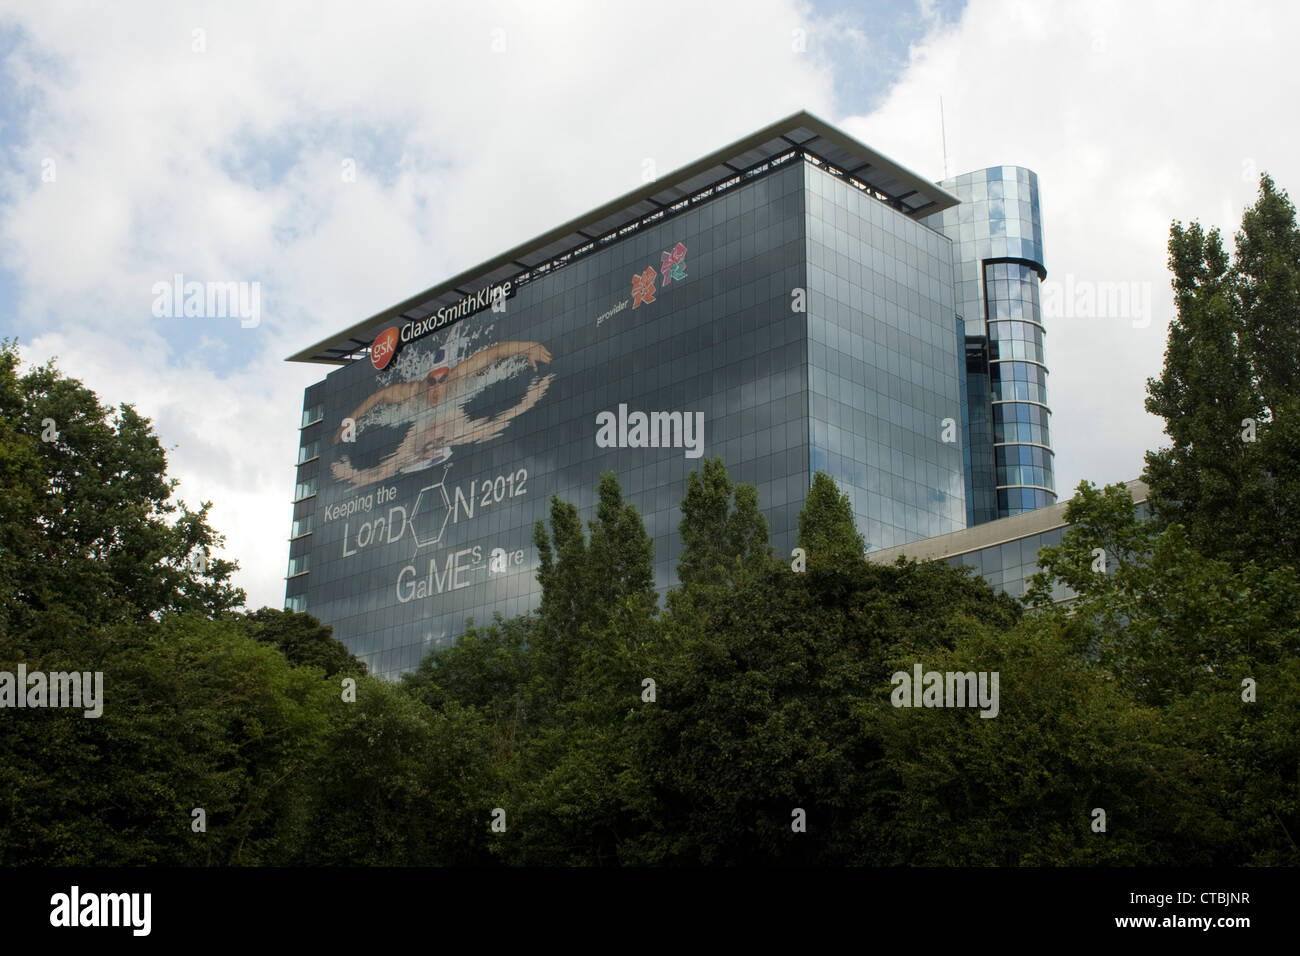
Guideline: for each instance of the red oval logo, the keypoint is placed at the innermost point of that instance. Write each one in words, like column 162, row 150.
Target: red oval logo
column 383, row 348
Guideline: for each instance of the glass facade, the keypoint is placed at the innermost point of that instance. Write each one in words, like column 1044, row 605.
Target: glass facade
column 674, row 344
column 981, row 473
column 1018, row 378
column 883, row 370
column 1009, row 566
column 997, row 233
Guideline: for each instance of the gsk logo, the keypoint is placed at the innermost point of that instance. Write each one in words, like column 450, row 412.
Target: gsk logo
column 383, row 348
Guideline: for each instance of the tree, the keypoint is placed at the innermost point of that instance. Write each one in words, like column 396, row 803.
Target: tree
column 1164, row 619
column 94, row 533
column 1267, row 272
column 22, row 483
column 589, row 590
column 827, row 531
column 774, row 707
column 401, row 784
column 621, row 558
column 564, row 575
column 572, row 782
column 1229, row 391
column 194, row 715
column 721, row 542
column 302, row 639
column 103, row 573
column 1021, row 788
column 1212, row 649
column 492, row 669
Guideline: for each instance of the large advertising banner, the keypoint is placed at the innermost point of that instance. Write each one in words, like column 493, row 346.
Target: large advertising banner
column 429, row 481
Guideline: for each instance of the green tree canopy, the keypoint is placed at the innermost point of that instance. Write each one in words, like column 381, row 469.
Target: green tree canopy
column 724, row 537
column 1211, row 649
column 590, row 590
column 1229, row 391
column 827, row 531
column 93, row 533
column 303, row 640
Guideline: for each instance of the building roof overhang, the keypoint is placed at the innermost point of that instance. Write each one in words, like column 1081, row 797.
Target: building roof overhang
column 893, row 184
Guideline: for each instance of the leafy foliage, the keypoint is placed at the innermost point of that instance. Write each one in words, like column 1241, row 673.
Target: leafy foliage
column 302, row 639
column 1230, row 391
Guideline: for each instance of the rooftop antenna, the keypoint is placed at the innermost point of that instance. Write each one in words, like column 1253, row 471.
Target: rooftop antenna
column 944, row 134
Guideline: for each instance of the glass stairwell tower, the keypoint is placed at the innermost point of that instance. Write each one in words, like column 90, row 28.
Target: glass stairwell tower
column 998, row 261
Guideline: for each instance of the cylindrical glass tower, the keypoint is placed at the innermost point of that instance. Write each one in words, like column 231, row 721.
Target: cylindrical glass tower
column 997, row 237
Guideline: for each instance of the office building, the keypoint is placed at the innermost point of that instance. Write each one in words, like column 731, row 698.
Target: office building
column 794, row 302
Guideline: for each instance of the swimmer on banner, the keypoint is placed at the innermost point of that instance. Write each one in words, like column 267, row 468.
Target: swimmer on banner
column 432, row 408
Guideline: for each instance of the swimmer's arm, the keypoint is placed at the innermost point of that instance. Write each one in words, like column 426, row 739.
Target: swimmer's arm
column 495, row 353
column 392, row 395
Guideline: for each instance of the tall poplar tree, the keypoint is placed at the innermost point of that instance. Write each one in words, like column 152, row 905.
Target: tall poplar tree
column 724, row 537
column 827, row 530
column 1229, row 391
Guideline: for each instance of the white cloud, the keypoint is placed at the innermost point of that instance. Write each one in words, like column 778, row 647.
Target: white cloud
column 1132, row 115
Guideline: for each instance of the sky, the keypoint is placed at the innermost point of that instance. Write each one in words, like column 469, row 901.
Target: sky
column 341, row 157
